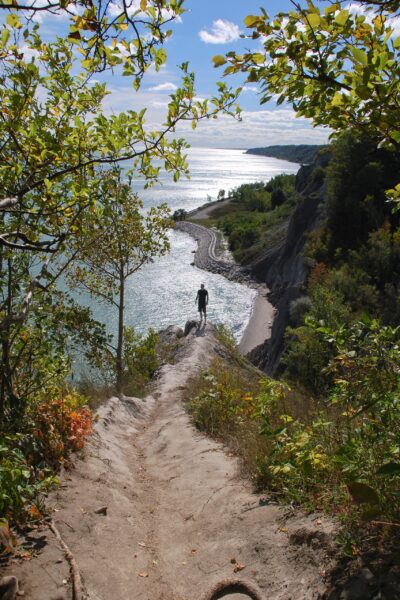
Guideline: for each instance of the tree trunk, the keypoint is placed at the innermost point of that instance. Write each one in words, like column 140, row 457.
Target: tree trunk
column 6, row 388
column 120, row 342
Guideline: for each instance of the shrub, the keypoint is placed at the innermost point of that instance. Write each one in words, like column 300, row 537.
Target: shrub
column 180, row 214
column 55, row 428
column 298, row 309
column 21, row 486
column 50, row 431
column 352, row 441
column 221, row 403
column 278, row 197
column 306, row 356
column 140, row 360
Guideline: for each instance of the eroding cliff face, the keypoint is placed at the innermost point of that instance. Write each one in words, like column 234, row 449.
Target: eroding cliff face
column 283, row 267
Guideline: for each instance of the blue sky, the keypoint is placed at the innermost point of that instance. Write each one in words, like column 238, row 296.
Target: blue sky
column 209, row 27
column 212, row 27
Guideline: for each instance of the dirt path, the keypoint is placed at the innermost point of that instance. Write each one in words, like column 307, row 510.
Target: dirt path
column 203, row 212
column 179, row 516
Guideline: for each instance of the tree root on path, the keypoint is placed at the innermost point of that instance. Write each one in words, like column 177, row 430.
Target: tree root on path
column 232, row 586
column 75, row 575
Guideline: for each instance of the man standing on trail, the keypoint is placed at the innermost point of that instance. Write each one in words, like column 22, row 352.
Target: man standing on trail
column 202, row 299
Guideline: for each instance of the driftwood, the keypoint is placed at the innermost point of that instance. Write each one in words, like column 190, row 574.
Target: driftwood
column 75, row 575
column 232, row 586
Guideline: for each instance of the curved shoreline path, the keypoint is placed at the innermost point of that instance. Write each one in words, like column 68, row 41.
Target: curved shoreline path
column 159, row 511
column 259, row 326
column 206, row 257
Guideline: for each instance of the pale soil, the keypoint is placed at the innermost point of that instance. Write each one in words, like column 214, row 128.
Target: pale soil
column 259, row 326
column 178, row 511
column 203, row 212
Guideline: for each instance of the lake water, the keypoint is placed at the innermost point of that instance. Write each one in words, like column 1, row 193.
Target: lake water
column 163, row 292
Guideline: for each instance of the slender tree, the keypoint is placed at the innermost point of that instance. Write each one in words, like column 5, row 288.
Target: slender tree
column 117, row 243
column 56, row 145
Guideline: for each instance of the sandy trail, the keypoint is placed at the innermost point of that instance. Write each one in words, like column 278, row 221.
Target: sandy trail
column 178, row 512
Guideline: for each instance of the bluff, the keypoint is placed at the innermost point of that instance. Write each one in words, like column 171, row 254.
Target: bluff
column 283, row 267
column 299, row 153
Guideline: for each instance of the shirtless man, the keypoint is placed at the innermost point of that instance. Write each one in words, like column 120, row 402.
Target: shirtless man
column 202, row 299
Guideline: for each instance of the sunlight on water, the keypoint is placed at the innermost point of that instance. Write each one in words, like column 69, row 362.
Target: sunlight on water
column 211, row 170
column 163, row 292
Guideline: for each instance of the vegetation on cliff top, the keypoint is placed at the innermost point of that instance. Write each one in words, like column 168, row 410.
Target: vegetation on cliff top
column 333, row 442
column 255, row 215
column 299, row 153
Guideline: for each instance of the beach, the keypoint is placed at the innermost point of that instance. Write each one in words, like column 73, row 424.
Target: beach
column 260, row 323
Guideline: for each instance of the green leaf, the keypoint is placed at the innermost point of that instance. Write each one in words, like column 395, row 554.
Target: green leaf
column 5, row 34
column 258, row 58
column 359, row 55
column 218, row 60
column 87, row 64
column 342, row 17
column 251, row 21
column 337, row 99
column 396, row 42
column 363, row 92
column 362, row 493
column 390, row 468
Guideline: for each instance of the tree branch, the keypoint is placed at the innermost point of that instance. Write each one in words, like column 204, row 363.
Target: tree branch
column 7, row 202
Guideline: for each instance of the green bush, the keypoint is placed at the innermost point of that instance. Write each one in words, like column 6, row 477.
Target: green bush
column 140, row 360
column 352, row 441
column 21, row 486
column 306, row 357
column 220, row 406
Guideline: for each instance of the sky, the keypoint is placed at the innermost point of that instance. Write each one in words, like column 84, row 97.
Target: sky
column 209, row 27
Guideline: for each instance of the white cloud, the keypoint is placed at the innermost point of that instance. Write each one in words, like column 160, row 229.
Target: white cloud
column 159, row 103
column 115, row 9
column 56, row 14
column 221, row 32
column 257, row 128
column 168, row 86
column 249, row 88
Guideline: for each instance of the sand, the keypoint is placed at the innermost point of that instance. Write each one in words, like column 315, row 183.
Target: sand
column 259, row 326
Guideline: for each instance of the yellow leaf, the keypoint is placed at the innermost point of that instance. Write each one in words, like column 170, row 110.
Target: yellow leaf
column 218, row 60
column 13, row 21
column 252, row 20
column 378, row 22
column 143, row 574
column 143, row 4
column 313, row 19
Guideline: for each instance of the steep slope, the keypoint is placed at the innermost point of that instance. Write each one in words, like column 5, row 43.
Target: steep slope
column 157, row 511
column 283, row 268
column 299, row 153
